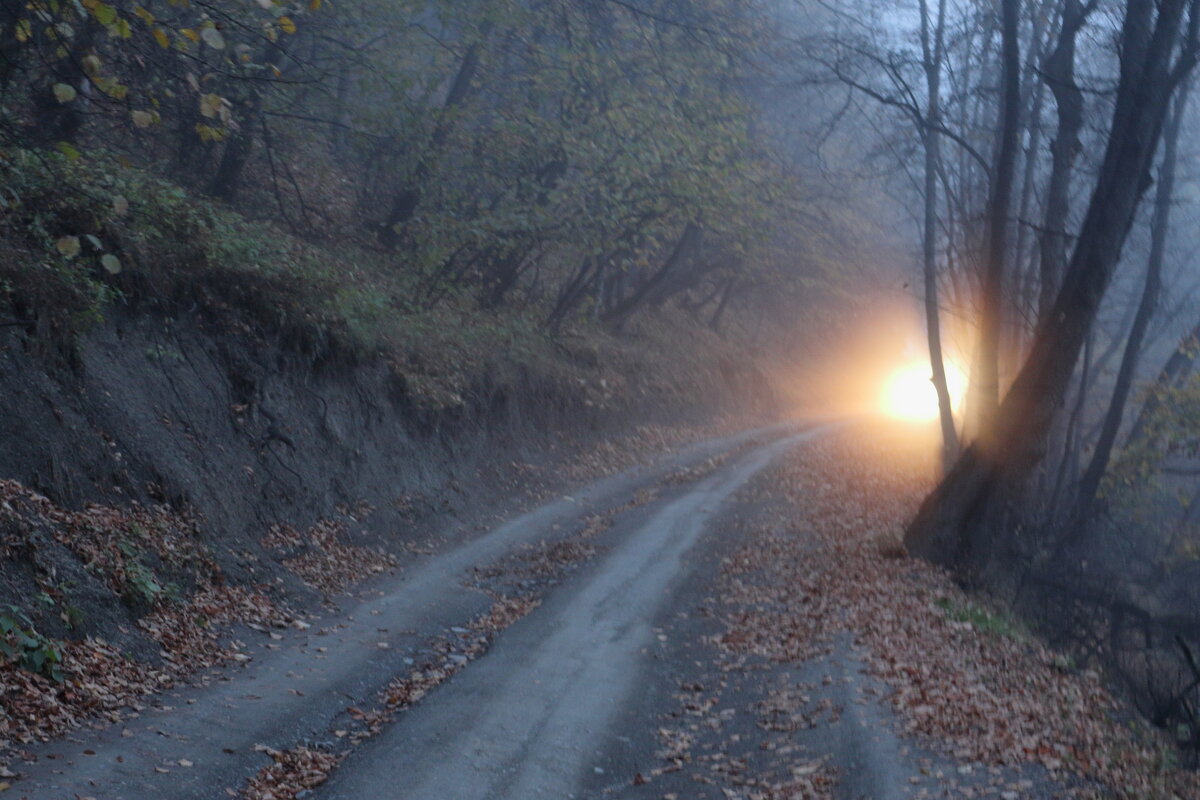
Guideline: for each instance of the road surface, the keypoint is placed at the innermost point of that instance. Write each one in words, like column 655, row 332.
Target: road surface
column 523, row 721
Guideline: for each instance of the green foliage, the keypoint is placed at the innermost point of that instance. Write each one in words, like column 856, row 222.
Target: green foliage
column 141, row 585
column 580, row 132
column 63, row 237
column 584, row 134
column 149, row 62
column 22, row 645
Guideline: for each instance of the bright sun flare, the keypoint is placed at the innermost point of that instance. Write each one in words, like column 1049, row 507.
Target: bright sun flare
column 909, row 394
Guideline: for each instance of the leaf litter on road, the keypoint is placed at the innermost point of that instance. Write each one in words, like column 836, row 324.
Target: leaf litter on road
column 992, row 696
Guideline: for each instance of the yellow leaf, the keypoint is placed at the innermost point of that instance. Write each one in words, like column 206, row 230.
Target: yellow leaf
column 210, row 105
column 160, row 36
column 313, row 5
column 144, row 15
column 144, row 119
column 191, row 34
column 24, row 30
column 104, row 13
column 287, row 24
column 208, row 133
column 68, row 246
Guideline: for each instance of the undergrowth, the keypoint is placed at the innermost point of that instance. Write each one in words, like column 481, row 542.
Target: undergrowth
column 81, row 238
column 983, row 619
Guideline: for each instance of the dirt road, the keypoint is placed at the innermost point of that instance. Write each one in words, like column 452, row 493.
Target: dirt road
column 533, row 718
column 526, row 720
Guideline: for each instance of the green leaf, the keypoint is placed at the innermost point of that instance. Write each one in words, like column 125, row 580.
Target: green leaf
column 111, row 264
column 69, row 151
column 64, row 93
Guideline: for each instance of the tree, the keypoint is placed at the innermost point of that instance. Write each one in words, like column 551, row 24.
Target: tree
column 932, row 55
column 1159, row 228
column 986, row 377
column 961, row 522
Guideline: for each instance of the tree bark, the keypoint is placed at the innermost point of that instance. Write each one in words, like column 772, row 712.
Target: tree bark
column 240, row 144
column 954, row 523
column 406, row 199
column 1159, row 226
column 1059, row 71
column 688, row 240
column 999, row 201
column 932, row 52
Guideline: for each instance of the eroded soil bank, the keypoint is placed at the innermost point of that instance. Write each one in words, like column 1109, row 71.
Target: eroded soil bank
column 167, row 478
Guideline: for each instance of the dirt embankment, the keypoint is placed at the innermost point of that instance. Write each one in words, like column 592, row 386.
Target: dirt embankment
column 169, row 459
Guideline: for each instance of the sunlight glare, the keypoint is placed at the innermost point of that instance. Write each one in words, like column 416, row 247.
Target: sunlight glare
column 908, row 393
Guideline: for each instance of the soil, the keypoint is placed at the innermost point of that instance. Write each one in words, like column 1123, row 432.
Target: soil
column 164, row 460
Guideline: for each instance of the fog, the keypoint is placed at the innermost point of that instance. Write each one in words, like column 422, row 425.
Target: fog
column 980, row 216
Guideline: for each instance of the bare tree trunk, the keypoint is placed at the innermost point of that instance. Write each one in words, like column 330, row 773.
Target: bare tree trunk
column 688, row 240
column 955, row 523
column 932, row 55
column 726, row 295
column 1159, row 227
column 1059, row 71
column 1033, row 99
column 406, row 199
column 999, row 202
column 1068, row 467
column 240, row 144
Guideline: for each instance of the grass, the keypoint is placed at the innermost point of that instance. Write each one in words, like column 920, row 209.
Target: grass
column 983, row 619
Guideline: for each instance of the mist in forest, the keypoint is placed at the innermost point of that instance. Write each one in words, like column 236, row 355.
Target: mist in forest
column 980, row 219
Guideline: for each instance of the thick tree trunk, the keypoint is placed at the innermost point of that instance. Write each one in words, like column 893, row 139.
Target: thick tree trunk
column 1059, row 71
column 1159, row 226
column 955, row 522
